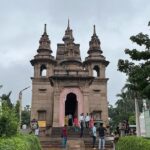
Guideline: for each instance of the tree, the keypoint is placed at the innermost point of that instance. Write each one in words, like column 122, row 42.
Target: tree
column 8, row 121
column 123, row 110
column 26, row 115
column 138, row 69
column 6, row 98
column 17, row 108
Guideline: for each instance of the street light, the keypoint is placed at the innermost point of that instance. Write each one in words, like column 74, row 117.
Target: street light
column 20, row 101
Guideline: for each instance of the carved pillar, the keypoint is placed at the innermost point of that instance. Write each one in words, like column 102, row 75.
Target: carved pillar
column 86, row 101
column 56, row 108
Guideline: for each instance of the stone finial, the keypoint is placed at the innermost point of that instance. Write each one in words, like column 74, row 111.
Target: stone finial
column 68, row 24
column 94, row 43
column 44, row 42
column 68, row 37
column 45, row 28
column 94, row 30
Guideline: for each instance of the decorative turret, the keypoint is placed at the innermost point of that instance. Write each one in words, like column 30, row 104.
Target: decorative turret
column 44, row 43
column 43, row 61
column 68, row 53
column 95, row 62
column 94, row 43
column 68, row 37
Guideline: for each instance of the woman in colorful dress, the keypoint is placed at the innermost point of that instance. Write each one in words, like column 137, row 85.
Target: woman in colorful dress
column 91, row 123
column 76, row 124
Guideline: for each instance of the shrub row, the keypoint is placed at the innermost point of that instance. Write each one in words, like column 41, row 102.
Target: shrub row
column 133, row 143
column 20, row 142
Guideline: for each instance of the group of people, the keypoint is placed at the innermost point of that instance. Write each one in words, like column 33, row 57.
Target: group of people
column 35, row 127
column 101, row 134
column 86, row 122
column 123, row 128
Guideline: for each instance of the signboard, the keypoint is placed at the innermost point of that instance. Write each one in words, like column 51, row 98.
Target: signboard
column 42, row 124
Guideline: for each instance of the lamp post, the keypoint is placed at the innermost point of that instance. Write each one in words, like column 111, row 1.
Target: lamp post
column 20, row 101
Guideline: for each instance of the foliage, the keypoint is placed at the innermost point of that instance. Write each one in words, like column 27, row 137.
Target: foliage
column 26, row 115
column 8, row 121
column 6, row 98
column 17, row 107
column 132, row 120
column 138, row 69
column 123, row 110
column 20, row 142
column 133, row 143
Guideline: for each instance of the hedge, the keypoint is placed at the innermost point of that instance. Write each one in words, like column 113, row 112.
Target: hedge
column 20, row 142
column 133, row 143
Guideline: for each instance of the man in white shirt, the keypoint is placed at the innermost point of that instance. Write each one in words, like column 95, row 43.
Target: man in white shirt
column 94, row 135
column 81, row 118
column 87, row 120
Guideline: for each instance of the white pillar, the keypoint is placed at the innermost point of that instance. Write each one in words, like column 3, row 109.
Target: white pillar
column 138, row 132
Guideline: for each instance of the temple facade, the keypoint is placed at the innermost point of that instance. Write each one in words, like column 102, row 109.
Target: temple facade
column 65, row 84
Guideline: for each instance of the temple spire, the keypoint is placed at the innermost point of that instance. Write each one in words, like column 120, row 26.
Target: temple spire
column 94, row 30
column 68, row 28
column 44, row 42
column 68, row 37
column 94, row 44
column 45, row 28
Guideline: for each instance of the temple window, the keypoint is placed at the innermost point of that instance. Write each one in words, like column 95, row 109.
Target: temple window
column 96, row 71
column 41, row 115
column 43, row 71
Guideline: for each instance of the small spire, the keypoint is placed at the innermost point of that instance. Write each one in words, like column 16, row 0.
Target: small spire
column 44, row 28
column 44, row 40
column 94, row 32
column 68, row 24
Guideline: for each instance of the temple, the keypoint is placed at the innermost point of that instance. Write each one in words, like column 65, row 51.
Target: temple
column 65, row 84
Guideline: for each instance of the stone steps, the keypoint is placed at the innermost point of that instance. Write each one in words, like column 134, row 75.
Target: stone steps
column 56, row 143
column 53, row 141
column 56, row 132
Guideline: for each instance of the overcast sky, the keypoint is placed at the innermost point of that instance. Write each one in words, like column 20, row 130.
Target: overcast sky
column 22, row 23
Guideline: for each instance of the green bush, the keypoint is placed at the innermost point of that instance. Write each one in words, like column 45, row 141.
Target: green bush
column 8, row 121
column 133, row 143
column 20, row 142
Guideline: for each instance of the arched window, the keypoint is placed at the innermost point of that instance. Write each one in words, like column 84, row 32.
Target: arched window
column 43, row 71
column 96, row 71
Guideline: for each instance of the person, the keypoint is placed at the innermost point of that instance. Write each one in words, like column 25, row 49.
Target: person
column 94, row 135
column 81, row 124
column 122, row 128
column 64, row 136
column 101, row 131
column 127, row 129
column 70, row 120
column 81, row 118
column 66, row 120
column 91, row 123
column 118, row 131
column 87, row 119
column 36, row 132
column 81, row 129
column 76, row 123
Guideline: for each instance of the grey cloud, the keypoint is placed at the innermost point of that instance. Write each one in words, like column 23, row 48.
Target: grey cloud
column 22, row 25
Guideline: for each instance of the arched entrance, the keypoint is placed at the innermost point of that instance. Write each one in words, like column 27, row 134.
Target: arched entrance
column 71, row 105
column 66, row 96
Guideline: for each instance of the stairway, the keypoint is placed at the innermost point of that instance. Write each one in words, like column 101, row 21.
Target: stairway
column 53, row 142
column 56, row 132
